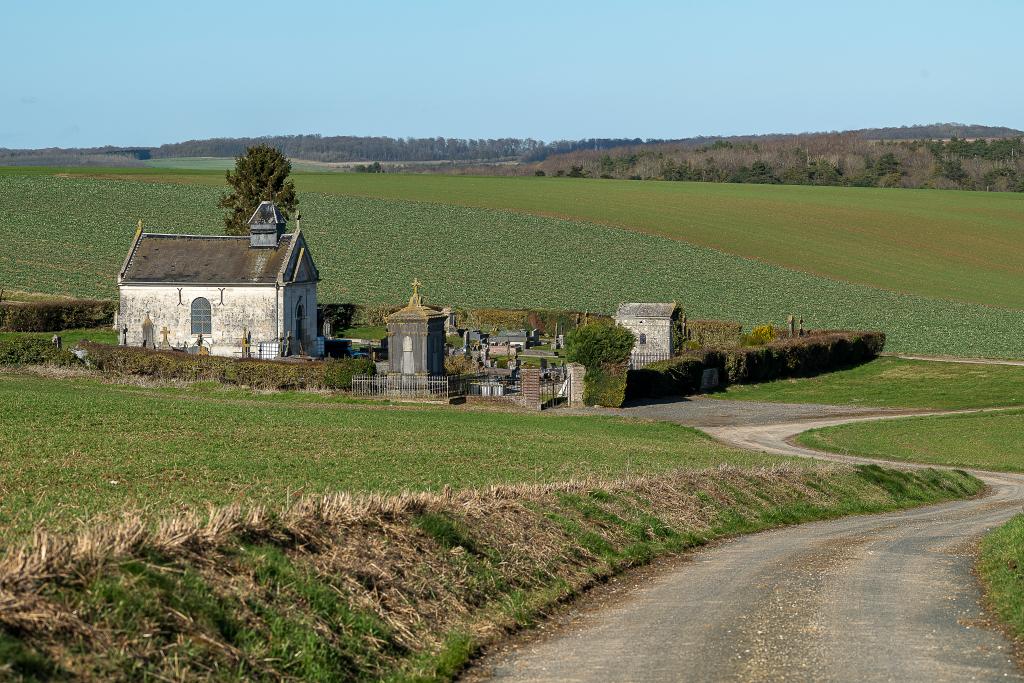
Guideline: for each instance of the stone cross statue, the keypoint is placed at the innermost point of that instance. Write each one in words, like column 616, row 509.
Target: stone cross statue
column 165, row 344
column 124, row 336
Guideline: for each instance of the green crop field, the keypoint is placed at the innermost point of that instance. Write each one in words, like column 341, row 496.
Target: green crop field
column 990, row 440
column 897, row 383
column 71, row 235
column 72, row 448
column 962, row 246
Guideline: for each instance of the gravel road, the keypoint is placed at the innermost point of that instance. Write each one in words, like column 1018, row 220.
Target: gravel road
column 888, row 597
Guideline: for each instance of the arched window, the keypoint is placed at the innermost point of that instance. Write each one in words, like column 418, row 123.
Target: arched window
column 201, row 316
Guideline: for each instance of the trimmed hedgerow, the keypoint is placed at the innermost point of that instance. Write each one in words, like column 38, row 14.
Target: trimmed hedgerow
column 33, row 351
column 258, row 374
column 602, row 346
column 52, row 316
column 799, row 357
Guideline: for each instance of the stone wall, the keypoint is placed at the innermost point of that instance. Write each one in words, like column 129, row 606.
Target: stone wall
column 657, row 331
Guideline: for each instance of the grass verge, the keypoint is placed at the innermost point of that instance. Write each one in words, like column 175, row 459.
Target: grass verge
column 1001, row 568
column 897, row 383
column 374, row 587
column 989, row 441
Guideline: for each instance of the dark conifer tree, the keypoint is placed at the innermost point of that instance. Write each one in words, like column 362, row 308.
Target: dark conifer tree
column 260, row 174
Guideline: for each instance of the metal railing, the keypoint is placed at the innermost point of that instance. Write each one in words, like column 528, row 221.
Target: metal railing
column 642, row 360
column 438, row 387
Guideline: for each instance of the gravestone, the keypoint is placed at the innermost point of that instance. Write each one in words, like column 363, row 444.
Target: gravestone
column 148, row 340
column 165, row 343
column 709, row 379
column 791, row 324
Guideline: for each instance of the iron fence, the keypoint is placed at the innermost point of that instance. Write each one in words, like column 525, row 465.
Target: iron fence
column 437, row 387
column 642, row 360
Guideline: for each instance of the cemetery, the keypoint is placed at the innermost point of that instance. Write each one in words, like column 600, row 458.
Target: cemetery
column 244, row 310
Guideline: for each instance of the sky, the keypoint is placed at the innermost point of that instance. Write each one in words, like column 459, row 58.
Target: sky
column 145, row 73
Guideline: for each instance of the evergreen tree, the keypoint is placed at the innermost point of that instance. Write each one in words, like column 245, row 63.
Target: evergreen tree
column 260, row 174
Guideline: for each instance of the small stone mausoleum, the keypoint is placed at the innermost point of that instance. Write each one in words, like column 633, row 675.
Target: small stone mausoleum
column 416, row 338
column 651, row 324
column 223, row 295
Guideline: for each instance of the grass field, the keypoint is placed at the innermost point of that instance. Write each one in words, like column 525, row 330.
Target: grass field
column 897, row 383
column 74, row 448
column 964, row 246
column 990, row 441
column 369, row 250
column 103, row 335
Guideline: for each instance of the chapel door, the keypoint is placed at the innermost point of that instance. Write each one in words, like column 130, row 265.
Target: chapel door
column 300, row 343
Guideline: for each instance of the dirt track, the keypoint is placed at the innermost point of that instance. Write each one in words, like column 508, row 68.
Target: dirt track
column 887, row 597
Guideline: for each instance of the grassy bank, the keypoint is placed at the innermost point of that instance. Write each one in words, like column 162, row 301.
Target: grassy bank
column 1001, row 567
column 69, row 338
column 990, row 441
column 368, row 588
column 897, row 383
column 369, row 249
column 76, row 447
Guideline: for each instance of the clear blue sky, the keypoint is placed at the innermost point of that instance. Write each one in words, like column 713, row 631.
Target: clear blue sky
column 145, row 73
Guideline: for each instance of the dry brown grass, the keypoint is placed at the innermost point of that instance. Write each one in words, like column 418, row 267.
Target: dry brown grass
column 373, row 552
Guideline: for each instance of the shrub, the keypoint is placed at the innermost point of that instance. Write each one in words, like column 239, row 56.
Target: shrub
column 679, row 376
column 602, row 347
column 759, row 336
column 715, row 334
column 598, row 344
column 53, row 316
column 34, row 351
column 175, row 365
column 338, row 373
column 459, row 365
column 604, row 387
column 798, row 357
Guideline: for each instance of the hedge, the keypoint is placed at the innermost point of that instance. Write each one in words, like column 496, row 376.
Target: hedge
column 33, row 351
column 258, row 374
column 717, row 334
column 53, row 316
column 798, row 357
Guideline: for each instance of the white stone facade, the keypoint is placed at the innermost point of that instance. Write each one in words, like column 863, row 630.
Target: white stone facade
column 652, row 325
column 267, row 312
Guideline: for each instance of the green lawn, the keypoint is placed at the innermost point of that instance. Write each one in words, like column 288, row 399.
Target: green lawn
column 73, row 448
column 966, row 246
column 990, row 441
column 369, row 250
column 103, row 335
column 897, row 383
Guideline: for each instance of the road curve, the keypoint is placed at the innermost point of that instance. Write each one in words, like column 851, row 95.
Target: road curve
column 889, row 597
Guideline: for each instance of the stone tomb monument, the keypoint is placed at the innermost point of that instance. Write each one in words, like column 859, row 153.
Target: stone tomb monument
column 416, row 338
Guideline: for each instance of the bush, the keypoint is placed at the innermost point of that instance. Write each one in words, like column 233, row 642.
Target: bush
column 798, row 357
column 604, row 387
column 679, row 376
column 53, row 316
column 599, row 344
column 602, row 347
column 459, row 365
column 759, row 336
column 258, row 374
column 715, row 334
column 338, row 373
column 34, row 351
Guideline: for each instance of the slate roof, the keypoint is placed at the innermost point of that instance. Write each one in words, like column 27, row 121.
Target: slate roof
column 645, row 310
column 203, row 259
column 266, row 213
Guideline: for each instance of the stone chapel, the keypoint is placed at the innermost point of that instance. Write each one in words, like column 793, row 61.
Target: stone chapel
column 221, row 295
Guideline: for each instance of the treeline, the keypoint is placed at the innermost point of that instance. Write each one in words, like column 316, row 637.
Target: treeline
column 344, row 148
column 830, row 159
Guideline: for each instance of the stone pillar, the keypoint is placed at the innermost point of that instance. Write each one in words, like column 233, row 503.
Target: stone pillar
column 576, row 374
column 530, row 383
